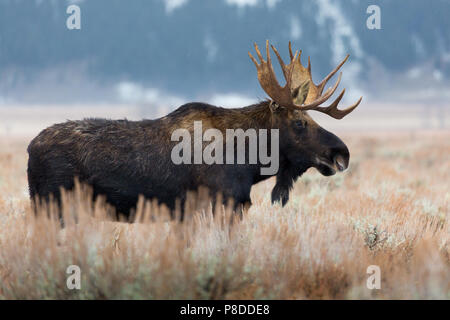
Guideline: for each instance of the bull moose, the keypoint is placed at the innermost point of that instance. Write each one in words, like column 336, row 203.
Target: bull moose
column 123, row 159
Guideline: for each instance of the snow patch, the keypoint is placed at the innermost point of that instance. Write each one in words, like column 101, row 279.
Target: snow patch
column 231, row 100
column 211, row 47
column 295, row 28
column 171, row 5
column 130, row 92
column 343, row 40
column 251, row 3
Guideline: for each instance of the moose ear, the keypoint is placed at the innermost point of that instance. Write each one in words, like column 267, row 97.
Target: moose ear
column 274, row 106
column 301, row 93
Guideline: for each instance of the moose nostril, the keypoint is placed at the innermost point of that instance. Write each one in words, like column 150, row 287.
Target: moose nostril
column 340, row 163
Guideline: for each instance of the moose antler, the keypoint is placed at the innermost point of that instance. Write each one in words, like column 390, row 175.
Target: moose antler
column 299, row 87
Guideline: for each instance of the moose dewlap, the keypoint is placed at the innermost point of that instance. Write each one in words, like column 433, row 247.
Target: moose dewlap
column 123, row 159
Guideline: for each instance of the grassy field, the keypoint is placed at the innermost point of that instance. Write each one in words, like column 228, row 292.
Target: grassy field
column 390, row 208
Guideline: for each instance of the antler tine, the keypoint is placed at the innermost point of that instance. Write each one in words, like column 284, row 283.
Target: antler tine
column 290, row 51
column 280, row 60
column 322, row 84
column 269, row 59
column 322, row 98
column 258, row 53
column 309, row 66
column 339, row 114
column 268, row 80
column 328, row 110
column 287, row 72
column 334, row 112
column 253, row 59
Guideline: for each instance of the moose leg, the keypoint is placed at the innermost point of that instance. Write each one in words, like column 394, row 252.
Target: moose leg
column 285, row 180
column 46, row 177
column 242, row 208
column 242, row 202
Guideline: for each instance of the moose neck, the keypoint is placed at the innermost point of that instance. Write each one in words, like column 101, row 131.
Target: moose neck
column 256, row 116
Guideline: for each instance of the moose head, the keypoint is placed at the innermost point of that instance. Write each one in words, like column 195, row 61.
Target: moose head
column 303, row 143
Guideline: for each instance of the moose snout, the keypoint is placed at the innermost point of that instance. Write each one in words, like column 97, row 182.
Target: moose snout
column 334, row 156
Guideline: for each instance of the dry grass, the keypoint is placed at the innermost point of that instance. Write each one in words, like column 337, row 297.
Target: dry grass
column 391, row 209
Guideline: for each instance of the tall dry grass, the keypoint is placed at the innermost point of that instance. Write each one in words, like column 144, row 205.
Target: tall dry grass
column 390, row 208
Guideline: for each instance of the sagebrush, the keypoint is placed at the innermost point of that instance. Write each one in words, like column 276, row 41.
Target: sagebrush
column 390, row 208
